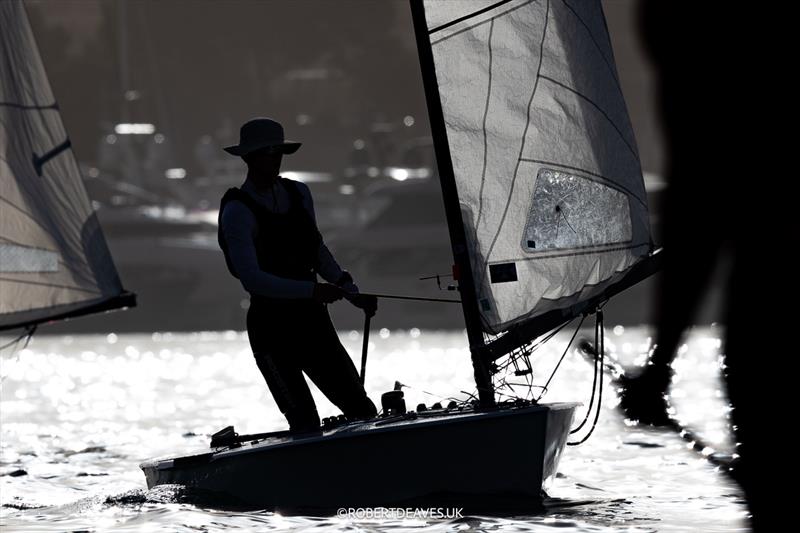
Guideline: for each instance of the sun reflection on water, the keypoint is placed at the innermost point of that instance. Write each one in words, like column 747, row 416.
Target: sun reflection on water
column 78, row 413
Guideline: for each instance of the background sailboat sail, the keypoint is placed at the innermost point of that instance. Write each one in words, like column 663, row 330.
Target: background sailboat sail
column 54, row 261
column 544, row 158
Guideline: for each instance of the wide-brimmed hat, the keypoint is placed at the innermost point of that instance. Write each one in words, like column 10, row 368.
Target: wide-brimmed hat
column 262, row 133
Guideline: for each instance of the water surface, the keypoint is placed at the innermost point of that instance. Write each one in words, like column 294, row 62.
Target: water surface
column 79, row 413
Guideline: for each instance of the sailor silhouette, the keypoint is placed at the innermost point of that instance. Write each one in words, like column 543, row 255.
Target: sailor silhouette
column 269, row 235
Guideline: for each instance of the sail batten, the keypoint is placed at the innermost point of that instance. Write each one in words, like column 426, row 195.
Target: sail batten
column 545, row 161
column 54, row 261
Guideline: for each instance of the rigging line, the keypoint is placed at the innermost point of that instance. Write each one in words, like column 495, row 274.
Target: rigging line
column 596, row 44
column 29, row 331
column 17, row 339
column 475, row 398
column 608, row 182
column 13, row 105
column 695, row 441
column 600, row 392
column 482, row 275
column 54, row 285
column 594, row 383
column 415, row 298
column 511, row 384
column 466, row 17
column 550, row 336
column 446, row 37
column 534, row 347
column 566, row 350
column 451, row 398
column 529, row 383
column 542, row 341
column 602, row 112
column 485, row 140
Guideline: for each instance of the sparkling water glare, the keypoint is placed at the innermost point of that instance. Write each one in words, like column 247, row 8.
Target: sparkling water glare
column 79, row 413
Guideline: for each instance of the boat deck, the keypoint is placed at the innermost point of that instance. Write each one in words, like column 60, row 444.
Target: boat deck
column 279, row 439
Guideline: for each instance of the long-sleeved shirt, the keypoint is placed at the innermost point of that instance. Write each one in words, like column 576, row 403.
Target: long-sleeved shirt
column 239, row 227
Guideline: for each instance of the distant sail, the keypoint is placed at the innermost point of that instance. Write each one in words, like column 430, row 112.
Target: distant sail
column 54, row 261
column 543, row 153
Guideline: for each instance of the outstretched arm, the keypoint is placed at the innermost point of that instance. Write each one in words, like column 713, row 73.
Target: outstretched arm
column 329, row 269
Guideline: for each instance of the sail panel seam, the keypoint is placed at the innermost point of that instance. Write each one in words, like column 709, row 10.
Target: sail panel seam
column 553, row 255
column 521, row 148
column 606, row 181
column 596, row 44
column 13, row 105
column 533, row 313
column 485, row 140
column 31, row 217
column 12, row 241
column 467, row 17
column 482, row 22
column 54, row 285
column 7, row 320
column 596, row 106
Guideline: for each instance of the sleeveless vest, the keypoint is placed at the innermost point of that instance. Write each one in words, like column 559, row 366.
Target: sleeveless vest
column 287, row 244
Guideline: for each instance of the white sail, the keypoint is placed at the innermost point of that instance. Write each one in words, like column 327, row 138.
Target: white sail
column 544, row 157
column 54, row 261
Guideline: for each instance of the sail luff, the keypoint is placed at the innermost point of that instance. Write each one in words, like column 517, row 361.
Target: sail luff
column 452, row 208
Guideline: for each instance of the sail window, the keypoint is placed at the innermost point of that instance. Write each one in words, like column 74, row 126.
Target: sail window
column 14, row 258
column 503, row 272
column 570, row 211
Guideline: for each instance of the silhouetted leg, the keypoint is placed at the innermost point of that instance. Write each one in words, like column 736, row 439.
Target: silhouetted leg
column 278, row 361
column 330, row 368
column 290, row 390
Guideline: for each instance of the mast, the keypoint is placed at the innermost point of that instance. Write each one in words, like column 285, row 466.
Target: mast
column 452, row 208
